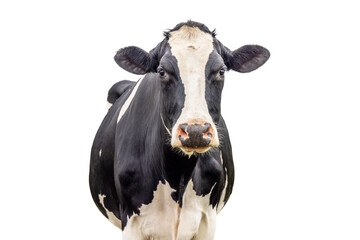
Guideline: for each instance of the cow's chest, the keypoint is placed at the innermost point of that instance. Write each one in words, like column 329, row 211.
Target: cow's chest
column 163, row 219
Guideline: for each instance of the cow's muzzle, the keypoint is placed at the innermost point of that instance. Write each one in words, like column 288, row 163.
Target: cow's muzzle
column 195, row 137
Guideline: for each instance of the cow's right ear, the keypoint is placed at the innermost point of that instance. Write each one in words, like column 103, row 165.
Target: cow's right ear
column 134, row 60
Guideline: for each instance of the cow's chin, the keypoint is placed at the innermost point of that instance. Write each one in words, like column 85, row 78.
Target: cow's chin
column 193, row 151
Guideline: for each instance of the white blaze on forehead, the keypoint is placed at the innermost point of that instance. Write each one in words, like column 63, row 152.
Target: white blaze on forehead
column 192, row 47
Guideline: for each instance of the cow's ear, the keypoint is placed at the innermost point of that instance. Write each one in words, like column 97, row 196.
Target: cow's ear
column 134, row 60
column 248, row 58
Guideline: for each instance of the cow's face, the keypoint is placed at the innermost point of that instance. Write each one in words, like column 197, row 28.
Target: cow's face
column 190, row 65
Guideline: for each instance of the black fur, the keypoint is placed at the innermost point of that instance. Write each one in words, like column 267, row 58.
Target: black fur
column 245, row 59
column 249, row 58
column 134, row 60
column 119, row 89
column 139, row 156
column 136, row 154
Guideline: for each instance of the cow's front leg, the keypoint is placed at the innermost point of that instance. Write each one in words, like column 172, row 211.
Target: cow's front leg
column 207, row 227
column 133, row 230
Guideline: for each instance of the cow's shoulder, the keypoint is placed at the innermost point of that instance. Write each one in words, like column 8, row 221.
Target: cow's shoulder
column 101, row 178
column 118, row 89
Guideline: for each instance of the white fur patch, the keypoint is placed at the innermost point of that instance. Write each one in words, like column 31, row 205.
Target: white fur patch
column 163, row 219
column 128, row 100
column 157, row 220
column 192, row 47
column 111, row 216
column 197, row 217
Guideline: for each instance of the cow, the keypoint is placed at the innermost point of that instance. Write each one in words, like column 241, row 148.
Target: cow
column 161, row 162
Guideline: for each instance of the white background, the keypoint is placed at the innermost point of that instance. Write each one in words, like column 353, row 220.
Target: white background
column 294, row 123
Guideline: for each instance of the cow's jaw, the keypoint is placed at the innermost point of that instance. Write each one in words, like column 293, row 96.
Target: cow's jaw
column 192, row 47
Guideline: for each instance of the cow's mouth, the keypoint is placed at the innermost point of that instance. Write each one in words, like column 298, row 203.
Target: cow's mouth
column 189, row 151
column 192, row 151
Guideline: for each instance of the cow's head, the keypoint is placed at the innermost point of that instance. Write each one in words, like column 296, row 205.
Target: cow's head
column 190, row 63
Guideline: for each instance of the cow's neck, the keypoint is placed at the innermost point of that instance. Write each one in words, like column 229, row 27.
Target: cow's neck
column 178, row 170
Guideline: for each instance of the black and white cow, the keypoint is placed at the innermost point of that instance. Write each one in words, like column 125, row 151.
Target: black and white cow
column 161, row 162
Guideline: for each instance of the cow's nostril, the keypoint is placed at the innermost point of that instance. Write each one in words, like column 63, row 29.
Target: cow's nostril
column 206, row 127
column 182, row 132
column 183, row 127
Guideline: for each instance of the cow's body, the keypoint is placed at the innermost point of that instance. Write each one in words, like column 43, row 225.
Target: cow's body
column 140, row 181
column 171, row 194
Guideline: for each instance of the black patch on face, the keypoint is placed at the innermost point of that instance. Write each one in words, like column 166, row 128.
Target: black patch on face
column 172, row 90
column 214, row 85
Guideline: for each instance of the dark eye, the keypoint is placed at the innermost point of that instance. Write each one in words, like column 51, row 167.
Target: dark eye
column 222, row 72
column 161, row 72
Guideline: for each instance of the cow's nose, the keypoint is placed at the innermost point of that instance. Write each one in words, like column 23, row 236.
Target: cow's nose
column 195, row 135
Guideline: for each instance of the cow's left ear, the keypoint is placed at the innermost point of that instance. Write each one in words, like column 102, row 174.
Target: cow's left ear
column 134, row 60
column 248, row 58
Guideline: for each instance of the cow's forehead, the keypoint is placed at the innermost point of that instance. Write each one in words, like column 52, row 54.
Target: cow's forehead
column 191, row 40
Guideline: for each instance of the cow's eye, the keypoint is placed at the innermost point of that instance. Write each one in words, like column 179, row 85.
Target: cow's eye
column 222, row 72
column 161, row 72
